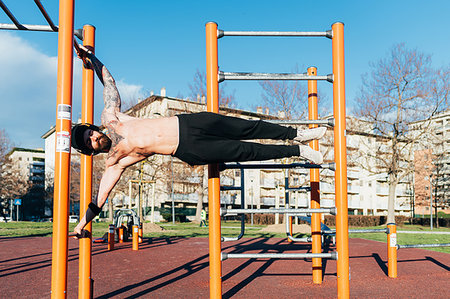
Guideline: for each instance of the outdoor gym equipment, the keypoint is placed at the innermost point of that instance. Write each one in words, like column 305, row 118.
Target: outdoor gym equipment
column 62, row 152
column 213, row 77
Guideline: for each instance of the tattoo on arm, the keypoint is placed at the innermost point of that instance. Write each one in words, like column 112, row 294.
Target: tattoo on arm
column 111, row 96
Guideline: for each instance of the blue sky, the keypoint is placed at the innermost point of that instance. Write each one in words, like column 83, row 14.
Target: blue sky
column 148, row 45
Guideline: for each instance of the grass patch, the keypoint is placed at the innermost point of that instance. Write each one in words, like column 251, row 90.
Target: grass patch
column 42, row 229
column 404, row 239
column 229, row 229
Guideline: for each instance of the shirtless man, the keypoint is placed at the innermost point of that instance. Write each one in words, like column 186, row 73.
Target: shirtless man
column 198, row 138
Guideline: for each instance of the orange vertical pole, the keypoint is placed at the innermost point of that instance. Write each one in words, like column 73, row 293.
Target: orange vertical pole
column 314, row 177
column 340, row 156
column 212, row 91
column 87, row 116
column 62, row 150
column 135, row 237
column 392, row 250
column 141, row 233
column 111, row 235
column 120, row 234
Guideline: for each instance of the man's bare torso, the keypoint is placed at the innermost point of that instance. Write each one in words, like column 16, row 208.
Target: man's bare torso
column 140, row 138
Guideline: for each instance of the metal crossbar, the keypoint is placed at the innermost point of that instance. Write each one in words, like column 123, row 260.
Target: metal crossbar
column 224, row 211
column 271, row 76
column 327, row 122
column 331, row 255
column 423, row 245
column 328, row 33
column 224, row 166
column 350, row 231
column 51, row 27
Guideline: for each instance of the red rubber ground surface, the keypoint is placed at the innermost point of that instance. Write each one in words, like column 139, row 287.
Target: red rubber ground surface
column 178, row 268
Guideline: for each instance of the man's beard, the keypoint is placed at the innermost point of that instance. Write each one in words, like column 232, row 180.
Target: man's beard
column 104, row 144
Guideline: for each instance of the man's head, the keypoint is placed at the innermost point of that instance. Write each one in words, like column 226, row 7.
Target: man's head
column 88, row 139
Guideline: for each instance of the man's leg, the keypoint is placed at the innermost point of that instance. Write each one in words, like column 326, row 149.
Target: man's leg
column 214, row 150
column 214, row 124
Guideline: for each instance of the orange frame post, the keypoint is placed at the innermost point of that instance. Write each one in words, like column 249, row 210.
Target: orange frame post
column 62, row 150
column 212, row 91
column 315, row 181
column 135, row 237
column 340, row 156
column 392, row 250
column 85, row 281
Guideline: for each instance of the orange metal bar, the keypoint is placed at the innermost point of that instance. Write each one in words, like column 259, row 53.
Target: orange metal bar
column 314, row 182
column 135, row 237
column 140, row 233
column 62, row 150
column 340, row 156
column 212, row 91
column 111, row 230
column 87, row 116
column 120, row 234
column 392, row 250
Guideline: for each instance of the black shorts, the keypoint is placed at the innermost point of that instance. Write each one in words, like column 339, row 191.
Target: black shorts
column 207, row 137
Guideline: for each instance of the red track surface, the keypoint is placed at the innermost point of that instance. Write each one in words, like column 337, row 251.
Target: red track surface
column 178, row 268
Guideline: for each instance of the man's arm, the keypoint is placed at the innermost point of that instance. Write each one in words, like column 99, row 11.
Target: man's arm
column 109, row 179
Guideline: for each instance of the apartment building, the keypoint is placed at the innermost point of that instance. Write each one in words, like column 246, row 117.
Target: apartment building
column 432, row 164
column 29, row 164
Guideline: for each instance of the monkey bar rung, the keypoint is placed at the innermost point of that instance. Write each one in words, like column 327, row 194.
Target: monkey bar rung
column 332, row 255
column 271, row 76
column 328, row 33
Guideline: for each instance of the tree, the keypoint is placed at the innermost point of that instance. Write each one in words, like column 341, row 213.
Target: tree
column 198, row 90
column 288, row 98
column 12, row 184
column 400, row 89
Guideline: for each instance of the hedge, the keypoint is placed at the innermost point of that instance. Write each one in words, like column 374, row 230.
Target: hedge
column 353, row 220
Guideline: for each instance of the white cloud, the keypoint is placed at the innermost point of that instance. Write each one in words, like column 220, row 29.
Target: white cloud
column 130, row 92
column 27, row 90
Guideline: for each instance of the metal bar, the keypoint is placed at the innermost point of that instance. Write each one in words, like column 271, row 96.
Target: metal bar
column 225, row 211
column 212, row 93
column 271, row 76
column 423, row 245
column 242, row 189
column 326, row 122
column 307, row 188
column 62, row 150
column 46, row 28
column 340, row 156
column 331, row 255
column 229, row 188
column 328, row 34
column 276, row 166
column 11, row 16
column 353, row 231
column 45, row 14
column 87, row 116
column 290, row 237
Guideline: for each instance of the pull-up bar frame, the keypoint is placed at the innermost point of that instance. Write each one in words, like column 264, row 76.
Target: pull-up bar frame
column 18, row 26
column 62, row 152
column 340, row 154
